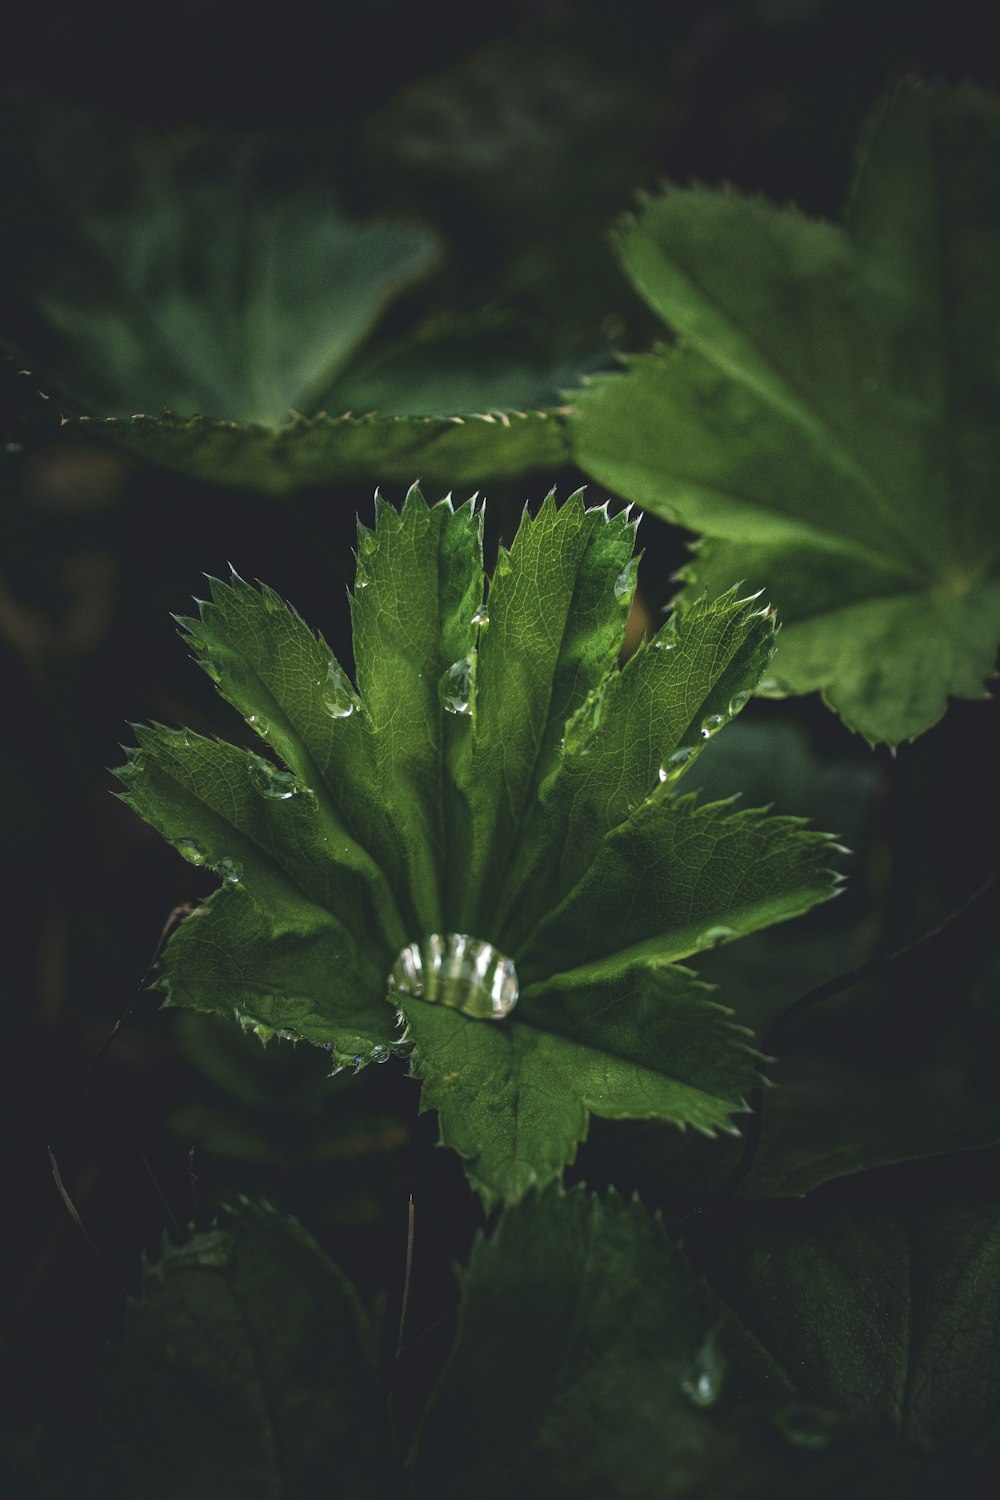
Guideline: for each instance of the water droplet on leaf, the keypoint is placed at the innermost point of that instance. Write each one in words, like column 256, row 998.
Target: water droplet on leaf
column 192, row 852
column 702, row 1380
column 336, row 693
column 738, row 701
column 230, row 870
column 380, row 1053
column 713, row 936
column 481, row 618
column 455, row 687
column 679, row 756
column 710, row 724
column 625, row 582
column 808, row 1426
column 270, row 782
column 463, row 972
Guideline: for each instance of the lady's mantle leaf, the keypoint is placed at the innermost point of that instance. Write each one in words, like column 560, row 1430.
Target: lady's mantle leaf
column 202, row 304
column 566, row 1379
column 490, row 774
column 829, row 416
column 590, row 1362
column 891, row 1316
column 245, row 1368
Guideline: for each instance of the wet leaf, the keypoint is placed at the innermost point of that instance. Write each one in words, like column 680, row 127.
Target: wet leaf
column 492, row 791
column 590, row 1363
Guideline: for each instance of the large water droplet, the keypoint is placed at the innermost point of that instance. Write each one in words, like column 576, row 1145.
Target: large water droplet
column 270, row 782
column 261, row 725
column 738, row 701
column 711, row 723
column 192, row 852
column 380, row 1053
column 454, row 969
column 455, row 687
column 336, row 693
column 702, row 1380
column 230, row 870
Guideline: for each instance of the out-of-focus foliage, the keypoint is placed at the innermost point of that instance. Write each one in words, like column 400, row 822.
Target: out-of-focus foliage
column 828, row 415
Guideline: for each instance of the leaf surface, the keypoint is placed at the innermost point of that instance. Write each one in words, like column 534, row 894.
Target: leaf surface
column 247, row 1342
column 590, row 1363
column 492, row 779
column 827, row 417
column 889, row 1315
column 564, row 1381
column 203, row 303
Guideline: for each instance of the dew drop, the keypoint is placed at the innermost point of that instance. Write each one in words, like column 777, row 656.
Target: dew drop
column 230, row 870
column 192, row 852
column 808, row 1426
column 336, row 693
column 679, row 756
column 738, row 701
column 381, row 1053
column 625, row 582
column 270, row 782
column 713, row 936
column 702, row 1380
column 259, row 724
column 463, row 972
column 664, row 773
column 710, row 724
column 455, row 687
column 481, row 618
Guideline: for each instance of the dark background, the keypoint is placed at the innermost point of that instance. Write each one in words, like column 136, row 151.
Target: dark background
column 94, row 556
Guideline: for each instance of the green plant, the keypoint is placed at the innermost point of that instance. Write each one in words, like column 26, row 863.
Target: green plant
column 483, row 853
column 827, row 414
column 481, row 816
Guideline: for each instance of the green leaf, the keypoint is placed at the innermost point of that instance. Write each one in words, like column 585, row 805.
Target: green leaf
column 495, row 142
column 201, row 302
column 589, row 1364
column 827, row 418
column 809, row 1137
column 245, row 1368
column 324, row 450
column 580, row 1326
column 887, row 1316
column 493, row 790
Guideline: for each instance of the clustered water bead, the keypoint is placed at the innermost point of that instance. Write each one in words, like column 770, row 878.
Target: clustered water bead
column 454, row 969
